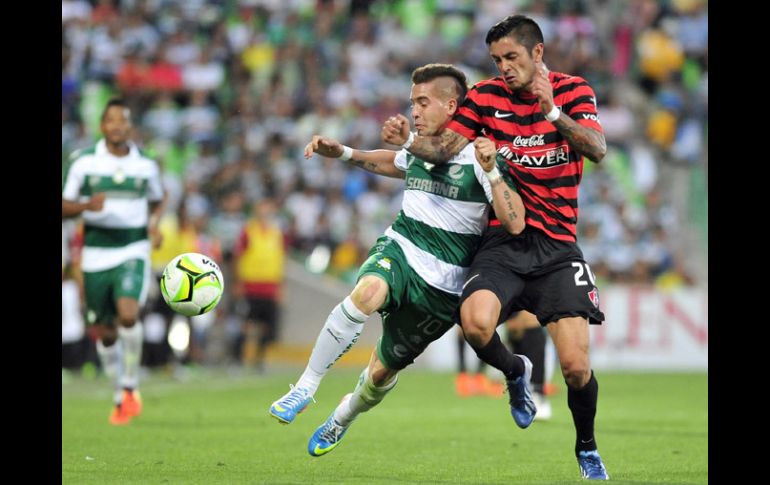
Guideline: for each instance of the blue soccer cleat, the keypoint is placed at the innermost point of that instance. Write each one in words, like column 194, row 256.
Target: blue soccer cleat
column 327, row 436
column 523, row 407
column 291, row 404
column 591, row 466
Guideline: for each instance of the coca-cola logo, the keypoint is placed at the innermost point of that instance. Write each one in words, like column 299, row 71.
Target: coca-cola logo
column 531, row 141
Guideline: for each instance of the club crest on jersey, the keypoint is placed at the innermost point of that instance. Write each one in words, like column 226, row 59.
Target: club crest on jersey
column 119, row 177
column 456, row 172
column 384, row 263
column 593, row 295
column 428, row 166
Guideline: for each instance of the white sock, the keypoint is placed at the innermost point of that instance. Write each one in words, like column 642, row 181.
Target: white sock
column 343, row 326
column 365, row 397
column 110, row 358
column 132, row 354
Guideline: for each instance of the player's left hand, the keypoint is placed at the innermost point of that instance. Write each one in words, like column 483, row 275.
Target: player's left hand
column 541, row 87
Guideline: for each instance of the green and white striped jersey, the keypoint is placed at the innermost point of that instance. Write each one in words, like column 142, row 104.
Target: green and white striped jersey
column 443, row 215
column 118, row 232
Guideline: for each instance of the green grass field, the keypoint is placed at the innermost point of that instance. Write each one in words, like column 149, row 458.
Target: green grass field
column 212, row 429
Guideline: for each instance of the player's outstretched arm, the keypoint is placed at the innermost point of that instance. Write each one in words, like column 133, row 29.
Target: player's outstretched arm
column 508, row 205
column 434, row 149
column 375, row 161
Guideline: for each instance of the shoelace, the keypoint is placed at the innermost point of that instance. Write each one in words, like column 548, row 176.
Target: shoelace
column 521, row 397
column 593, row 464
column 296, row 398
column 331, row 431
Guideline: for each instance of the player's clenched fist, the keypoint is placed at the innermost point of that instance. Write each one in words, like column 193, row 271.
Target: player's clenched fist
column 485, row 153
column 541, row 87
column 395, row 130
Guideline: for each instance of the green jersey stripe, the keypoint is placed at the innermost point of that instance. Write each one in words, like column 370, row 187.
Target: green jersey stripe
column 105, row 237
column 114, row 186
column 449, row 247
column 451, row 180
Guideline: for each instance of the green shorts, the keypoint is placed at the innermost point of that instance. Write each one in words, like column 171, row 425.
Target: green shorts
column 415, row 313
column 103, row 288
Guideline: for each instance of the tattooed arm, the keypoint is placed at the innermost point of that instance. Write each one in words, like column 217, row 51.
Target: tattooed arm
column 509, row 208
column 375, row 161
column 434, row 149
column 585, row 141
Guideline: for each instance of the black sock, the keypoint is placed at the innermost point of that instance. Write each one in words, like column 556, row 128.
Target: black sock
column 461, row 353
column 532, row 345
column 496, row 354
column 582, row 403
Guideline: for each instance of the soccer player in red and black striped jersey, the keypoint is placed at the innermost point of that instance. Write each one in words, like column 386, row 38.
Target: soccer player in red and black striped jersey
column 543, row 124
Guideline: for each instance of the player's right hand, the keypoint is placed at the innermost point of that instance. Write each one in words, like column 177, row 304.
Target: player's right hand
column 323, row 146
column 486, row 153
column 96, row 202
column 395, row 130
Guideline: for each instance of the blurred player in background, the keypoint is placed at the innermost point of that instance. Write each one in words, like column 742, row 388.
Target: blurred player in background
column 475, row 383
column 544, row 123
column 118, row 192
column 414, row 272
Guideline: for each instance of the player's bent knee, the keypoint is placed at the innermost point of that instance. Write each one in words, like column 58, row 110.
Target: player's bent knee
column 476, row 334
column 127, row 321
column 369, row 294
column 108, row 336
column 576, row 372
column 478, row 320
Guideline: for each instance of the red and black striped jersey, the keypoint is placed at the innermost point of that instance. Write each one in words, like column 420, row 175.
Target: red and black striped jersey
column 546, row 170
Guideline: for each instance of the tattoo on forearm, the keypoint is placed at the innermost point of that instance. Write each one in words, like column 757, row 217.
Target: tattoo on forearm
column 370, row 166
column 586, row 141
column 438, row 149
column 512, row 216
column 508, row 204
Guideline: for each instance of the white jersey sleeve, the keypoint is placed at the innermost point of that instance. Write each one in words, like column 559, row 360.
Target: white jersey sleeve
column 400, row 161
column 74, row 181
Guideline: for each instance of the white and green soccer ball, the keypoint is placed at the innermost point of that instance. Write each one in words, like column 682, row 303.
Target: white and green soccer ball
column 192, row 284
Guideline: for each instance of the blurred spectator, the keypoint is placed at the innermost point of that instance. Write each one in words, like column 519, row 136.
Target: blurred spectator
column 229, row 92
column 259, row 266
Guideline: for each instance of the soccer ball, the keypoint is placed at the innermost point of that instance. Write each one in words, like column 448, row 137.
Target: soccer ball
column 192, row 284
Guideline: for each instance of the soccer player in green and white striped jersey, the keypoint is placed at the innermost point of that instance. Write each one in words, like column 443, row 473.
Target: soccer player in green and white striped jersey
column 118, row 192
column 415, row 271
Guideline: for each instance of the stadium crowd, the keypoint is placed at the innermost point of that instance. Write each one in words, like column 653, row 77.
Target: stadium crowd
column 226, row 93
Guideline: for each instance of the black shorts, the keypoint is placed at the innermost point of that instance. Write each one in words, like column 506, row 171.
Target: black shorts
column 536, row 273
column 264, row 310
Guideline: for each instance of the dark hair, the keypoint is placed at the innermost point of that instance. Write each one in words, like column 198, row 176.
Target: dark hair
column 429, row 72
column 120, row 102
column 522, row 28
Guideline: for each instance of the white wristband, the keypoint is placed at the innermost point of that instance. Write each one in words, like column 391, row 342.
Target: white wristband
column 553, row 115
column 347, row 153
column 409, row 141
column 493, row 174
